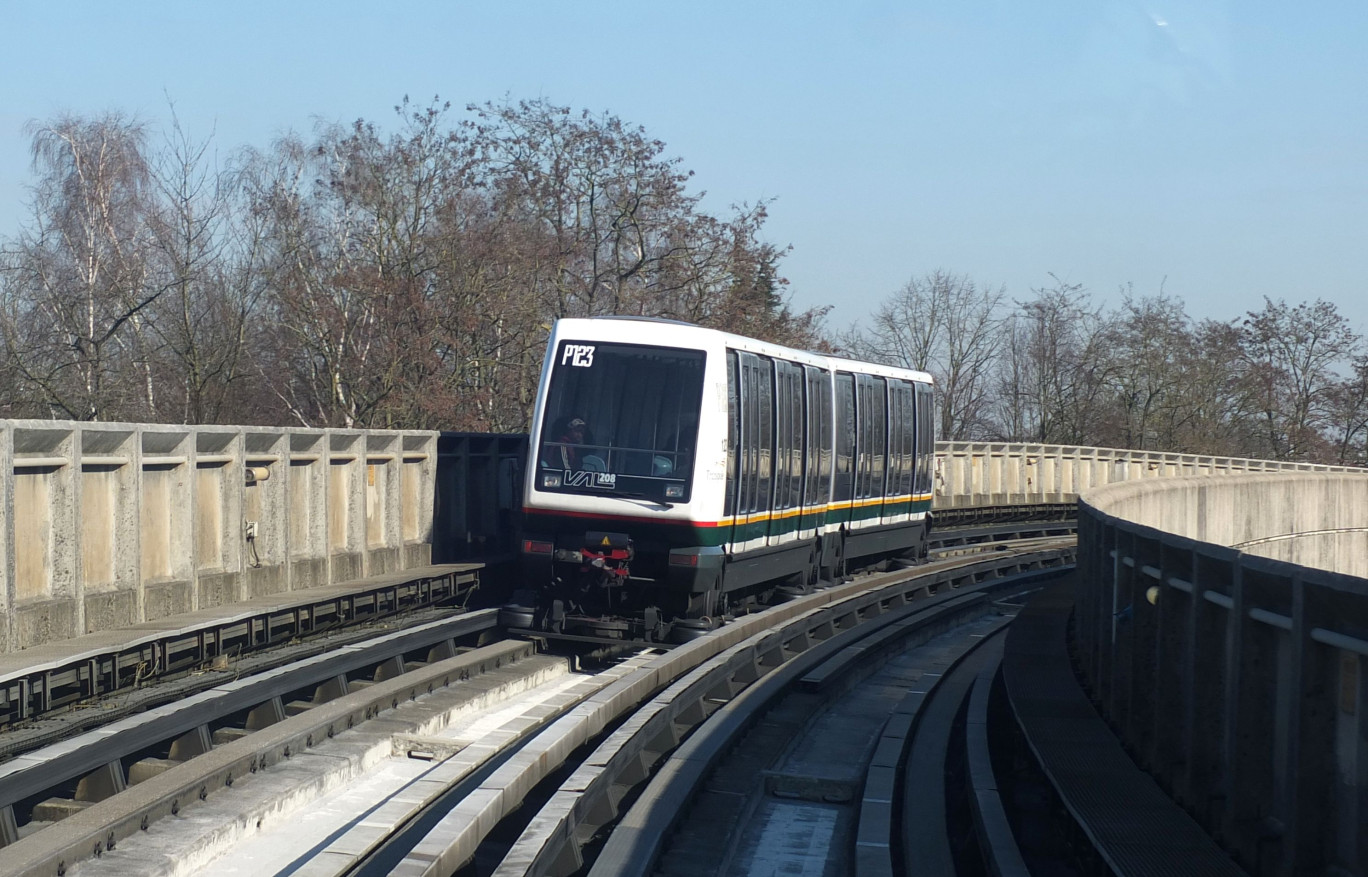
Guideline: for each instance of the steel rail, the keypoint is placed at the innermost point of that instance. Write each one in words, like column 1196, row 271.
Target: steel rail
column 37, row 681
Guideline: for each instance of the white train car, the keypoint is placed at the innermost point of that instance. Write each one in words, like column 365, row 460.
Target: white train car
column 678, row 473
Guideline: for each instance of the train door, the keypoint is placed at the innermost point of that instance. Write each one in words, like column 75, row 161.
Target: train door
column 786, row 509
column 735, row 453
column 926, row 448
column 750, row 391
column 901, row 456
column 871, row 449
column 843, row 452
column 816, row 449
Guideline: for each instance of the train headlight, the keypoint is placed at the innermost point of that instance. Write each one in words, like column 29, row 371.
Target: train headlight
column 551, row 479
column 674, row 491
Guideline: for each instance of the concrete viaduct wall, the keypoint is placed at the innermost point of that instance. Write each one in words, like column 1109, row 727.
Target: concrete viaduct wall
column 1222, row 625
column 104, row 525
column 983, row 474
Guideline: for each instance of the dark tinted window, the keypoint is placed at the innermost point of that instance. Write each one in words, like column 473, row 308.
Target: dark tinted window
column 756, row 441
column 625, row 414
column 818, row 452
column 843, row 488
column 788, row 489
column 873, row 435
column 733, row 430
column 926, row 438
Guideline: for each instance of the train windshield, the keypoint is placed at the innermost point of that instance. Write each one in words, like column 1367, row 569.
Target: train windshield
column 621, row 420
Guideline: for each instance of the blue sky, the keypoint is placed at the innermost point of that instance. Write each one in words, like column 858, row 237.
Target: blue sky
column 1217, row 148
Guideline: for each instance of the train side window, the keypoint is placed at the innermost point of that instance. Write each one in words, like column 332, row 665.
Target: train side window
column 825, row 454
column 733, row 430
column 908, row 436
column 750, row 422
column 879, row 457
column 901, row 432
column 866, row 440
column 812, row 408
column 909, row 439
column 792, row 386
column 783, row 435
column 764, row 482
column 894, row 471
column 843, row 487
column 873, row 435
column 926, row 438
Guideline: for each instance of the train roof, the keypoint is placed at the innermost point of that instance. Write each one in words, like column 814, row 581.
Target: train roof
column 656, row 330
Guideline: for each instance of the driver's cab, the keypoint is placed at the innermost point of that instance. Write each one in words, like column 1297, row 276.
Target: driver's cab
column 621, row 419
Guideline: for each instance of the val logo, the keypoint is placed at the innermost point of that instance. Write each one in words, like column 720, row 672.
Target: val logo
column 589, row 479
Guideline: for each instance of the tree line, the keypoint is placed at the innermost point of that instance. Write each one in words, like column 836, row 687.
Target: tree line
column 352, row 278
column 1283, row 382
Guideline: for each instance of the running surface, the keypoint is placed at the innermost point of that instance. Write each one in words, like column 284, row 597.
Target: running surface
column 1136, row 828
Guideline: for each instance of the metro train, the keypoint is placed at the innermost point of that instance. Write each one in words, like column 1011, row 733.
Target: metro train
column 679, row 474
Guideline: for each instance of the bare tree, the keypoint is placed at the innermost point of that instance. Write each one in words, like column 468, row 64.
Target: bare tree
column 1057, row 377
column 352, row 222
column 1209, row 410
column 1149, row 343
column 81, row 269
column 591, row 217
column 354, row 278
column 946, row 325
column 1349, row 409
column 600, row 193
column 205, row 253
column 1292, row 353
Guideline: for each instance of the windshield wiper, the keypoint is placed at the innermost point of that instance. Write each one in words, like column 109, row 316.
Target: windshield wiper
column 656, row 503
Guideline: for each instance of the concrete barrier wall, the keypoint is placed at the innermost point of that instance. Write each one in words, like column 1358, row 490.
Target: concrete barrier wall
column 985, row 474
column 1311, row 519
column 105, row 525
column 1221, row 624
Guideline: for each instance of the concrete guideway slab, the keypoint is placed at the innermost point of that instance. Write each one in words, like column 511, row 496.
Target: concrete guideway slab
column 323, row 802
column 104, row 825
column 78, row 755
column 344, row 823
column 36, row 680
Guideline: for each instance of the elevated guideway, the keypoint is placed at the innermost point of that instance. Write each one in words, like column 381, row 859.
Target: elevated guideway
column 1220, row 607
column 108, row 525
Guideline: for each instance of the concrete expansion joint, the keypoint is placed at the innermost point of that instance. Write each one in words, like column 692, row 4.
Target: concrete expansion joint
column 424, row 747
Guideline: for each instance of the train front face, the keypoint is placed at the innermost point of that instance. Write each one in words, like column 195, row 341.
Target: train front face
column 615, row 541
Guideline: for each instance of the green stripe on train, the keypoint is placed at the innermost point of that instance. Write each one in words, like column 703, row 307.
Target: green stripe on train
column 684, row 534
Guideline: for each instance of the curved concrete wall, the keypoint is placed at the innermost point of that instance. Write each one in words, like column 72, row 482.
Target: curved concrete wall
column 1313, row 519
column 1222, row 627
column 984, row 474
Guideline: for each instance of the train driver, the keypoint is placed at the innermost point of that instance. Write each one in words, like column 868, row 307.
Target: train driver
column 564, row 451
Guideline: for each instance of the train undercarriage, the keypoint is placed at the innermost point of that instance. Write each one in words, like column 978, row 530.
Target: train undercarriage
column 602, row 585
